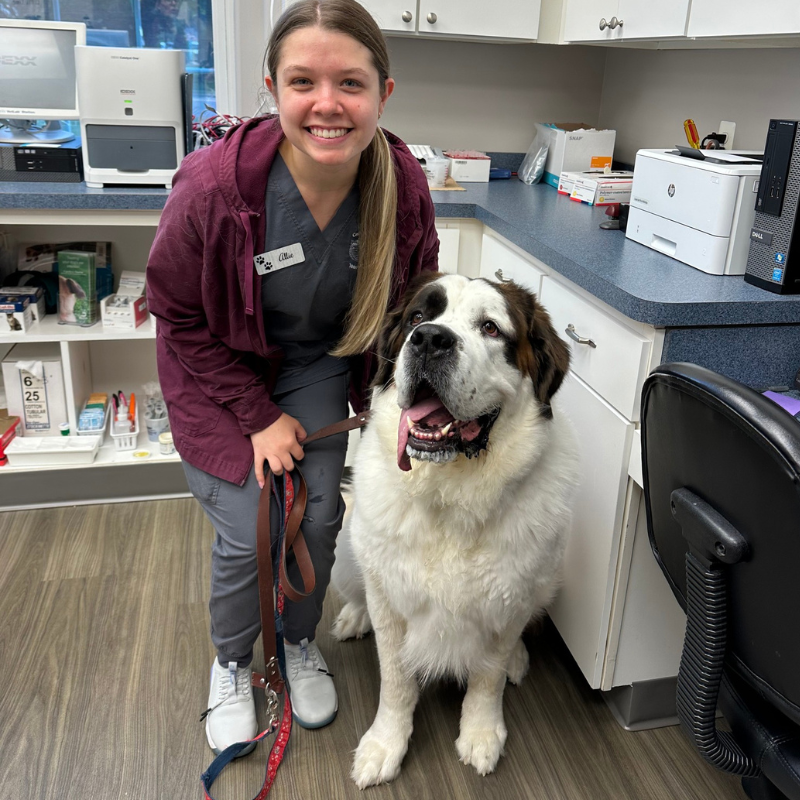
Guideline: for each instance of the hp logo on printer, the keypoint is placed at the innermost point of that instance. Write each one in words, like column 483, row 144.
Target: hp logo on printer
column 671, row 190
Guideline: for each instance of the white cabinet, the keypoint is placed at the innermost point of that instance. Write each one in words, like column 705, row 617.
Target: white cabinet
column 448, row 248
column 502, row 19
column 744, row 18
column 623, row 20
column 499, row 262
column 582, row 610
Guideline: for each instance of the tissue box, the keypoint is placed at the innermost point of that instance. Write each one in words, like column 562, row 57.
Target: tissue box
column 34, row 293
column 16, row 315
column 468, row 166
column 597, row 188
column 576, row 147
column 128, row 307
column 40, row 403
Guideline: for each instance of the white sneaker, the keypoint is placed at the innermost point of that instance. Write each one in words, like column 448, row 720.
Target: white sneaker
column 314, row 701
column 231, row 715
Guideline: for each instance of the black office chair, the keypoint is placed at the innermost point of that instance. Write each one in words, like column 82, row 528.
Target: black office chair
column 721, row 467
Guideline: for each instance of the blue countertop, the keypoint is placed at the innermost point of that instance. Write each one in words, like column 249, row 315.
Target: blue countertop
column 640, row 283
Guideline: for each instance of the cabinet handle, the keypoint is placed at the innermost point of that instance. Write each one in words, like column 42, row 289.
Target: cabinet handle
column 603, row 24
column 432, row 18
column 499, row 276
column 573, row 334
column 615, row 23
column 407, row 16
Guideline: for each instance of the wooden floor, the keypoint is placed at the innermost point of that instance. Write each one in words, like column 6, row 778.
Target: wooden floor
column 105, row 654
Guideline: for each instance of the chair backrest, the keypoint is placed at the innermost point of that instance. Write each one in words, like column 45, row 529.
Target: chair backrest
column 739, row 452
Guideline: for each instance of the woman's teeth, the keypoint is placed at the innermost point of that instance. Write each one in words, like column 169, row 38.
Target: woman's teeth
column 324, row 133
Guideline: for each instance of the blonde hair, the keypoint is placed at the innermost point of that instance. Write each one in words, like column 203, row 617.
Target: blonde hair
column 377, row 181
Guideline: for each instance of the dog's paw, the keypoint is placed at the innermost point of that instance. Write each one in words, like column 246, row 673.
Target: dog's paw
column 353, row 622
column 378, row 759
column 481, row 747
column 518, row 663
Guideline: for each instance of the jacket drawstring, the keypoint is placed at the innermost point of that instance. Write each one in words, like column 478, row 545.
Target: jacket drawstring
column 249, row 267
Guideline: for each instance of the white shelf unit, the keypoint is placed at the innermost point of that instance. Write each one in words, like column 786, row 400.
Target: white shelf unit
column 94, row 359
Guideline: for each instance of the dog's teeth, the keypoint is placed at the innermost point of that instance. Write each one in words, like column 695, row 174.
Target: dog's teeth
column 438, row 436
column 410, row 423
column 446, row 429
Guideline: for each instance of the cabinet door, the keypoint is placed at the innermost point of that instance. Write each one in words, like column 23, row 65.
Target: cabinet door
column 743, row 18
column 504, row 19
column 448, row 249
column 582, row 610
column 393, row 16
column 583, row 20
column 501, row 263
column 643, row 19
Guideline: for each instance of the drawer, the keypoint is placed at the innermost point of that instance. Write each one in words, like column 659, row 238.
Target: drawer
column 613, row 358
column 501, row 263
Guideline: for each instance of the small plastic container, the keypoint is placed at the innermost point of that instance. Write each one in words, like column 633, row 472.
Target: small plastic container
column 124, row 441
column 155, row 427
column 29, row 451
column 165, row 443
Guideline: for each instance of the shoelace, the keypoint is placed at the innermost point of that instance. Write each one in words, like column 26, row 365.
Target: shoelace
column 297, row 665
column 238, row 681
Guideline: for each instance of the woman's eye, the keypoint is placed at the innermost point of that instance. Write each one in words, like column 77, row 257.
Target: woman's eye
column 416, row 318
column 490, row 329
column 301, row 82
column 352, row 84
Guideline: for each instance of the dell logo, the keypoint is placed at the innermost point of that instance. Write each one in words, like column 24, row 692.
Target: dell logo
column 18, row 61
column 671, row 190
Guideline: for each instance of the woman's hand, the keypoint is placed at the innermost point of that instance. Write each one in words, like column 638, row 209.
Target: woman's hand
column 279, row 444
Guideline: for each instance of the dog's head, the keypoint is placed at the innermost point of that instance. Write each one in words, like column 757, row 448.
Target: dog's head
column 459, row 350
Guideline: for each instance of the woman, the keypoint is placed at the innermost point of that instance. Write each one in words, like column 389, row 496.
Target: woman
column 252, row 353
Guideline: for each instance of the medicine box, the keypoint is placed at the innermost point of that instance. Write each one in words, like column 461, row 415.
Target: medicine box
column 34, row 381
column 577, row 147
column 16, row 315
column 597, row 188
column 128, row 307
column 34, row 293
column 468, row 166
column 77, row 288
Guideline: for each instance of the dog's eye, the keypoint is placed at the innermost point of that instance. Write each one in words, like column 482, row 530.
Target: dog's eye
column 490, row 329
column 416, row 318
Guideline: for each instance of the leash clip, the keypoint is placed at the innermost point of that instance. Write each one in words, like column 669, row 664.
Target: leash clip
column 272, row 708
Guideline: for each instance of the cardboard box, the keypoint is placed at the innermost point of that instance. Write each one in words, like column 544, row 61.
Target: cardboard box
column 34, row 382
column 468, row 166
column 16, row 315
column 597, row 189
column 576, row 147
column 77, row 288
column 35, row 295
column 128, row 307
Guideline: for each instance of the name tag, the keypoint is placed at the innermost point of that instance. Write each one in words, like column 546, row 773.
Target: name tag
column 279, row 259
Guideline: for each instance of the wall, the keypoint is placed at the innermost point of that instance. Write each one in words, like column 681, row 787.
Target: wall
column 648, row 93
column 461, row 94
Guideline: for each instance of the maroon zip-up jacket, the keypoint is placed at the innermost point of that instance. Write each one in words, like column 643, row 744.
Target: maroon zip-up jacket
column 215, row 365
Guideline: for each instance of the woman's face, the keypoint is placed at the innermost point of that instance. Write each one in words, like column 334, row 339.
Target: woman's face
column 328, row 95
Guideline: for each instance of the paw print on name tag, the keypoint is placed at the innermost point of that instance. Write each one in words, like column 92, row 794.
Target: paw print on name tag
column 263, row 265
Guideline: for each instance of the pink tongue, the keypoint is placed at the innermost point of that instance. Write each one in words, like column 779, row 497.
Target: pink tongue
column 417, row 413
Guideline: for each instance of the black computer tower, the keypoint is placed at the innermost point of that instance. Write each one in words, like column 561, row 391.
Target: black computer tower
column 774, row 259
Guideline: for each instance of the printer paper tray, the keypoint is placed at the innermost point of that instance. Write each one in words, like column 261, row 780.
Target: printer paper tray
column 700, row 250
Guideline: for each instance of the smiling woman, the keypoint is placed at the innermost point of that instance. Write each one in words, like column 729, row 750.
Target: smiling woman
column 280, row 250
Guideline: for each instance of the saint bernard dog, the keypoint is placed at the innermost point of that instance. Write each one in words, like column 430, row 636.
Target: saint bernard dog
column 462, row 487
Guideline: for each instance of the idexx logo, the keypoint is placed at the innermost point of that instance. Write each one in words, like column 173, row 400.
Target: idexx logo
column 18, row 61
column 127, row 91
column 671, row 190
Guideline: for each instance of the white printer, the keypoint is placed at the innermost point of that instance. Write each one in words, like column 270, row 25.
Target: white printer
column 697, row 208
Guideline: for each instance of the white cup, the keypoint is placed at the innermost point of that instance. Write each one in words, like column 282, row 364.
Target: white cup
column 436, row 172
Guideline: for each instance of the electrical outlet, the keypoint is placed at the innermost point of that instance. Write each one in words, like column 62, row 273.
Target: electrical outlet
column 729, row 129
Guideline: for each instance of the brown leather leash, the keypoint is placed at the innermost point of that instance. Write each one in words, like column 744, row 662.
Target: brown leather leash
column 270, row 594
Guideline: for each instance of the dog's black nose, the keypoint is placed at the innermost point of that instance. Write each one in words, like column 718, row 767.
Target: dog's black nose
column 432, row 341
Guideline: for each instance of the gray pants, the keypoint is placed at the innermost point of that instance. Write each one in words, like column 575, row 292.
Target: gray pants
column 232, row 509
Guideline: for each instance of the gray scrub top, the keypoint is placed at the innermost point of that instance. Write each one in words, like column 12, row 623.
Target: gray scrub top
column 304, row 305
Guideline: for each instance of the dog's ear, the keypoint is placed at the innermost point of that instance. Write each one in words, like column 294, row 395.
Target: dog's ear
column 541, row 353
column 551, row 355
column 391, row 337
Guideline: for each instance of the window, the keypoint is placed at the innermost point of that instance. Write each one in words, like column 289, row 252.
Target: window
column 171, row 24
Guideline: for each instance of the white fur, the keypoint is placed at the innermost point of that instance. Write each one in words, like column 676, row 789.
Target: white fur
column 452, row 560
